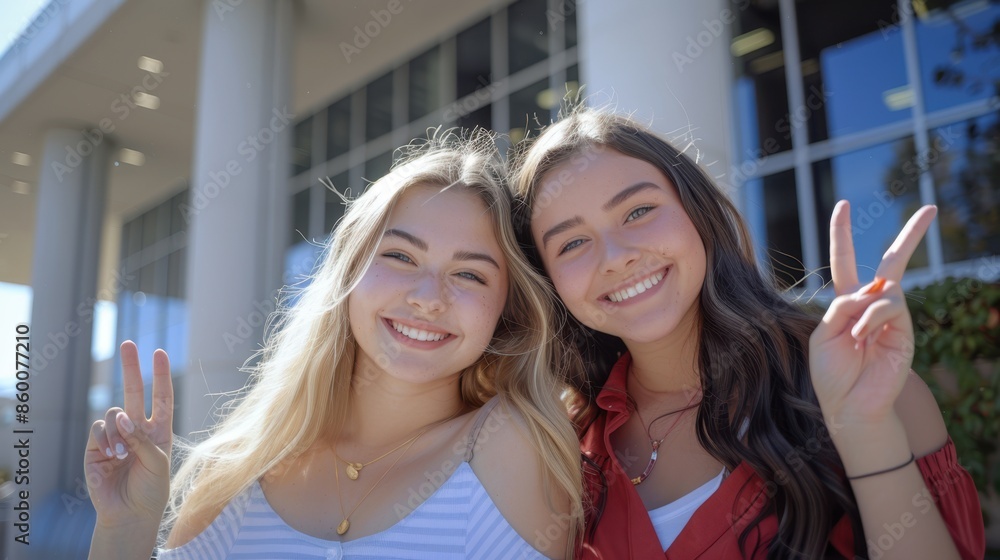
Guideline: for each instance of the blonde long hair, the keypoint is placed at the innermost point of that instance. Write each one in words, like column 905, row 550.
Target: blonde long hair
column 302, row 376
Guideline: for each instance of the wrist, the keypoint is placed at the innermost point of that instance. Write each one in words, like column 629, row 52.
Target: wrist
column 867, row 447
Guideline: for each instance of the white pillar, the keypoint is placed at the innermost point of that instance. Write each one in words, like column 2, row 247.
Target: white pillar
column 669, row 64
column 68, row 227
column 238, row 202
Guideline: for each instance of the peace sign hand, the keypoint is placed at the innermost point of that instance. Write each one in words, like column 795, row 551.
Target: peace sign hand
column 860, row 354
column 127, row 461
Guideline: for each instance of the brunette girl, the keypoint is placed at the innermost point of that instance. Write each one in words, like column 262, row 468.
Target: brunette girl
column 718, row 419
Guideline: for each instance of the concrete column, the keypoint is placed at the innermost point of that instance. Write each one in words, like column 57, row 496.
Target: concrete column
column 68, row 228
column 238, row 206
column 667, row 63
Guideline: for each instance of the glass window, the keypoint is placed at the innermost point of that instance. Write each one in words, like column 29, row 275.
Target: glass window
column 133, row 236
column 570, row 24
column 300, row 217
column 334, row 208
column 527, row 112
column 854, row 72
column 150, row 227
column 958, row 51
column 178, row 221
column 378, row 113
column 481, row 117
column 338, row 128
column 147, row 279
column 176, row 269
column 302, row 147
column 472, row 62
column 761, row 88
column 425, row 83
column 527, row 34
column 377, row 167
column 882, row 183
column 782, row 241
column 964, row 159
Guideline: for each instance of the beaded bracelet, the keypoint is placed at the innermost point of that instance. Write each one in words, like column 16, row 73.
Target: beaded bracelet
column 908, row 461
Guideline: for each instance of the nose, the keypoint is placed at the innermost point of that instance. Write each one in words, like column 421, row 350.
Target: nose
column 619, row 255
column 429, row 295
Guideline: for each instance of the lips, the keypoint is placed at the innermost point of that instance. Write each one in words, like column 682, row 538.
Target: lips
column 635, row 289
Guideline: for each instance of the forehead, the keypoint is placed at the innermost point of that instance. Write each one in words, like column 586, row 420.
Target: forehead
column 452, row 216
column 589, row 179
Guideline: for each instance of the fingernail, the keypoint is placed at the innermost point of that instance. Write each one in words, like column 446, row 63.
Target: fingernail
column 876, row 286
column 107, row 451
column 125, row 423
column 856, row 332
column 120, row 451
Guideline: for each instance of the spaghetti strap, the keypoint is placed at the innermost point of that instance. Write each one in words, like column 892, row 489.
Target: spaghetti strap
column 481, row 417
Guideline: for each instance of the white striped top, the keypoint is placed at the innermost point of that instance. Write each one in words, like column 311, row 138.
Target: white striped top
column 459, row 520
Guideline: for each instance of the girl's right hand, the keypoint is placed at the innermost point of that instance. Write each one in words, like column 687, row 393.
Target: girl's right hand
column 127, row 461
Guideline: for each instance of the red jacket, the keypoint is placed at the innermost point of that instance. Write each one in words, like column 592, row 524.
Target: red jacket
column 625, row 530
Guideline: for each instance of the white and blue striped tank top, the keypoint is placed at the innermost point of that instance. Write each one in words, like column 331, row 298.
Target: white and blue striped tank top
column 459, row 520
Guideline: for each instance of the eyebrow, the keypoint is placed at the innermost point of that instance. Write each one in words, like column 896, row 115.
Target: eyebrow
column 413, row 239
column 559, row 228
column 458, row 256
column 628, row 193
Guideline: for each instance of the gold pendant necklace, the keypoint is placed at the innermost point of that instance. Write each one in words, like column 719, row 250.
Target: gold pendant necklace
column 346, row 523
column 353, row 470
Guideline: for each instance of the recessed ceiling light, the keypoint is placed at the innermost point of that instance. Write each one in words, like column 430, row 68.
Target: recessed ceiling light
column 900, row 98
column 20, row 158
column 768, row 62
column 751, row 41
column 150, row 64
column 131, row 157
column 547, row 98
column 146, row 100
column 20, row 187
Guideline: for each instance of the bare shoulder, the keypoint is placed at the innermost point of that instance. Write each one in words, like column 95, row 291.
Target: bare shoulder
column 921, row 416
column 509, row 466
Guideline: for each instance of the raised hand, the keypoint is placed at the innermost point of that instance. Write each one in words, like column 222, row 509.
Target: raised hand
column 860, row 354
column 127, row 461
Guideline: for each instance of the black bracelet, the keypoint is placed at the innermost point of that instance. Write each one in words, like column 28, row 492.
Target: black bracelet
column 908, row 461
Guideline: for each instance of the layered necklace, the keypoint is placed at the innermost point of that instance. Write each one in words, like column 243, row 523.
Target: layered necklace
column 353, row 471
column 655, row 443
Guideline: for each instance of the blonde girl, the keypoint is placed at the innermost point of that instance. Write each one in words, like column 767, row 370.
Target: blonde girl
column 407, row 406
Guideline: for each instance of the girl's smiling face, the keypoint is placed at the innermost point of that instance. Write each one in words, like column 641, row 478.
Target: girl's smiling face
column 429, row 303
column 621, row 250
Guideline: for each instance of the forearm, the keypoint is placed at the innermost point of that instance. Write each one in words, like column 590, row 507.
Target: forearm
column 134, row 542
column 898, row 514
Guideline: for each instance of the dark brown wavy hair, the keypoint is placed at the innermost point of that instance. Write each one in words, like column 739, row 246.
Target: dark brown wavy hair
column 753, row 343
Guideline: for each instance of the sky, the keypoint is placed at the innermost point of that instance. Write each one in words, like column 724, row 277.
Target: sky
column 15, row 15
column 15, row 309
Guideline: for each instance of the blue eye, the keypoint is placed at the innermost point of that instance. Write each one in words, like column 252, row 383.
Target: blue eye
column 638, row 212
column 399, row 256
column 471, row 276
column 571, row 245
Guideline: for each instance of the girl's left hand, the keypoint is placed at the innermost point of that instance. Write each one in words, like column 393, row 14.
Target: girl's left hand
column 860, row 354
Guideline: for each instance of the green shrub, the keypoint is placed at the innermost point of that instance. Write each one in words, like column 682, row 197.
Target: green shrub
column 957, row 337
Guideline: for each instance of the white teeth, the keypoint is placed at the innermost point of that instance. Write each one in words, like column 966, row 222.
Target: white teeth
column 417, row 334
column 639, row 288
